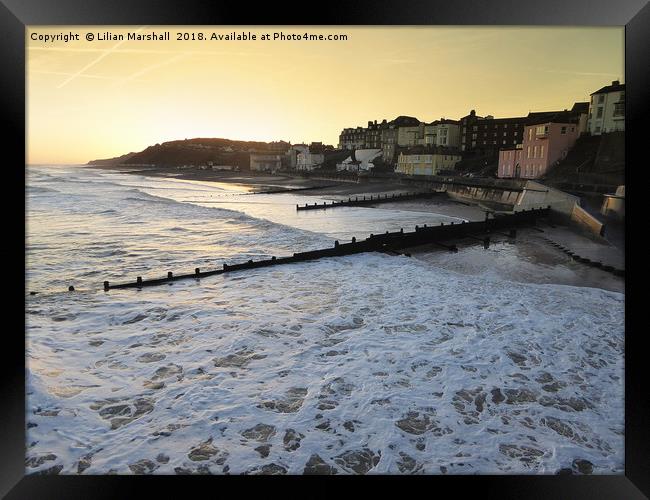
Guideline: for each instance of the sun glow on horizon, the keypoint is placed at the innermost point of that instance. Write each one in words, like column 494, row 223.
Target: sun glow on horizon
column 88, row 100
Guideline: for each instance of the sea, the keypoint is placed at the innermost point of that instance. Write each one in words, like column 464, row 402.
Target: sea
column 363, row 364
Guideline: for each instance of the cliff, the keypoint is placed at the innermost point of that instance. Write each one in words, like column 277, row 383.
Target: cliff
column 198, row 151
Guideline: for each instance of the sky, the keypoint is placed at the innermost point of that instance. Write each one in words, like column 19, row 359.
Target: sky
column 102, row 98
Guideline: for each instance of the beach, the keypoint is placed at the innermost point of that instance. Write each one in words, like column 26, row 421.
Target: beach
column 532, row 259
column 506, row 360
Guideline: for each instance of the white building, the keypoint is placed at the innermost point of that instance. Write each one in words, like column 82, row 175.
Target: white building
column 293, row 153
column 607, row 109
column 443, row 132
column 309, row 161
column 360, row 160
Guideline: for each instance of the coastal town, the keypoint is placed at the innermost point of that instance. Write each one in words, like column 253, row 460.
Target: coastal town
column 525, row 147
column 575, row 156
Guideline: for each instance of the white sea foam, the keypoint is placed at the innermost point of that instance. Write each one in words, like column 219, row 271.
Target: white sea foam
column 359, row 364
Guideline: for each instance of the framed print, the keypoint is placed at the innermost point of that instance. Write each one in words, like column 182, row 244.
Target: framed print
column 379, row 239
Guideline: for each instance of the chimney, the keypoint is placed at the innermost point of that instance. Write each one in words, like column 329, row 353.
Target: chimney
column 472, row 113
column 616, row 82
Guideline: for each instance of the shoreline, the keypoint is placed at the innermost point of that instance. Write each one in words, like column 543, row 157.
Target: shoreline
column 529, row 259
column 248, row 179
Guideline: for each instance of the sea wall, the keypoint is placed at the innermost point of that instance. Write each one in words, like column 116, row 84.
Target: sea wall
column 536, row 194
column 563, row 204
column 586, row 220
column 494, row 198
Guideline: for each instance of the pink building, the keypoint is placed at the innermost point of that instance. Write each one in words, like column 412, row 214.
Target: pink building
column 510, row 162
column 544, row 145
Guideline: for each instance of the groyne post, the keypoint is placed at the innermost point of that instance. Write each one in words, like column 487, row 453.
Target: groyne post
column 383, row 242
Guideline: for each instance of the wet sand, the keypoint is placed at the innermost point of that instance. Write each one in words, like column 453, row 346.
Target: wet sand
column 265, row 182
column 526, row 259
column 256, row 181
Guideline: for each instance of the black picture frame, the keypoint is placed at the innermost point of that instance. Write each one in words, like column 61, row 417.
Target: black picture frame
column 15, row 15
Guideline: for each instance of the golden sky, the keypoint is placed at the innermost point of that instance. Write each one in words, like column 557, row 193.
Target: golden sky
column 103, row 98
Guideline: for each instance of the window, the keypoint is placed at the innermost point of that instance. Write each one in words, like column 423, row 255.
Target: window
column 504, row 134
column 535, row 152
column 528, row 153
column 541, row 130
column 530, row 134
column 601, row 99
column 597, row 129
column 599, row 113
column 505, row 142
column 619, row 108
column 563, row 130
column 541, row 151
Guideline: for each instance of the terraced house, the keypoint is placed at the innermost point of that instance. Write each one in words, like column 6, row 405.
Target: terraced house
column 546, row 142
column 607, row 109
column 487, row 135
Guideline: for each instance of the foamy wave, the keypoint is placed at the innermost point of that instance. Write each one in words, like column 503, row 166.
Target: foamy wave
column 361, row 364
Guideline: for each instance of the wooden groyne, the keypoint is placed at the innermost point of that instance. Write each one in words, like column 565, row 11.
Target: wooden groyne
column 367, row 200
column 584, row 260
column 291, row 190
column 388, row 242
